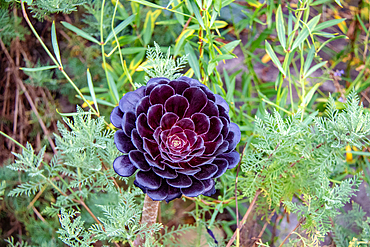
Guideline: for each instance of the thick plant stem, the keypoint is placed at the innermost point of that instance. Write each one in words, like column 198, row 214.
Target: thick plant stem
column 149, row 217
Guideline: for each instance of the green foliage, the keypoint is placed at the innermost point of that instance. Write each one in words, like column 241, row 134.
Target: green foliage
column 294, row 155
column 11, row 27
column 159, row 65
column 352, row 226
column 121, row 221
column 40, row 8
column 291, row 157
column 73, row 232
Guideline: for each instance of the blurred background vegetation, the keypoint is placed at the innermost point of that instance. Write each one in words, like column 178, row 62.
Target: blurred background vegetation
column 259, row 55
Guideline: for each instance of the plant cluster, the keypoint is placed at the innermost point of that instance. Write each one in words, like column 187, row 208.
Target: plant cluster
column 303, row 152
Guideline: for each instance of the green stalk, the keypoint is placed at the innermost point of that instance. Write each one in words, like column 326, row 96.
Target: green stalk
column 102, row 50
column 53, row 58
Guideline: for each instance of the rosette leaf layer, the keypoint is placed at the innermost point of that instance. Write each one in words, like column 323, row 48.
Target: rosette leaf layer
column 178, row 135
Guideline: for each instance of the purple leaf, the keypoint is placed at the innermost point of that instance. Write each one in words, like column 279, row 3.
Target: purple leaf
column 201, row 122
column 160, row 94
column 195, row 189
column 197, row 100
column 123, row 142
column 155, row 113
column 123, row 166
column 137, row 158
column 182, row 181
column 149, row 180
column 168, row 120
column 116, row 117
column 207, row 171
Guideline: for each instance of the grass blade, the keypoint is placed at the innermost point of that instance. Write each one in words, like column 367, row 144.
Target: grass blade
column 280, row 27
column 149, row 4
column 193, row 60
column 120, row 27
column 54, row 42
column 39, row 68
column 197, row 13
column 273, row 57
column 309, row 59
column 80, row 32
column 327, row 24
column 314, row 68
column 91, row 89
column 303, row 34
column 113, row 87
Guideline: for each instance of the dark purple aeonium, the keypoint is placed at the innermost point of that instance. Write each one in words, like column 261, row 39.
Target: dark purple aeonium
column 178, row 135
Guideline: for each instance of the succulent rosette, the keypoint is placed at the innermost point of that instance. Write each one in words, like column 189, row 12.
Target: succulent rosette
column 178, row 135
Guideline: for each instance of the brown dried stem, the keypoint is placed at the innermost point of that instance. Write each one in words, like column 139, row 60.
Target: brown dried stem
column 295, row 228
column 29, row 98
column 244, row 218
column 149, row 217
column 264, row 226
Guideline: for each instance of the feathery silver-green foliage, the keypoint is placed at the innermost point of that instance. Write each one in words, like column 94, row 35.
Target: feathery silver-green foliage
column 121, row 221
column 73, row 232
column 353, row 225
column 40, row 8
column 11, row 27
column 291, row 157
column 160, row 65
column 82, row 171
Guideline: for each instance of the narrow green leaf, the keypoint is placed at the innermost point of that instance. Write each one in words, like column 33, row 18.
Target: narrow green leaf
column 314, row 68
column 91, row 89
column 178, row 5
column 329, row 40
column 273, row 57
column 229, row 47
column 148, row 28
column 339, row 3
column 218, row 5
column 310, row 56
column 73, row 113
column 113, row 87
column 221, row 57
column 329, row 23
column 309, row 95
column 149, row 4
column 280, row 27
column 290, row 27
column 318, row 2
column 180, row 40
column 54, row 42
column 197, row 13
column 100, row 101
column 39, row 68
column 193, row 60
column 96, row 89
column 359, row 153
column 226, row 2
column 362, row 24
column 303, row 34
column 132, row 50
column 168, row 22
column 211, row 67
column 323, row 34
column 213, row 18
column 80, row 32
column 120, row 27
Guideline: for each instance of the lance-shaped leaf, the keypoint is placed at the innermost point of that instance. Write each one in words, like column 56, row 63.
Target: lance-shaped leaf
column 120, row 27
column 273, row 57
column 80, row 32
column 55, row 43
